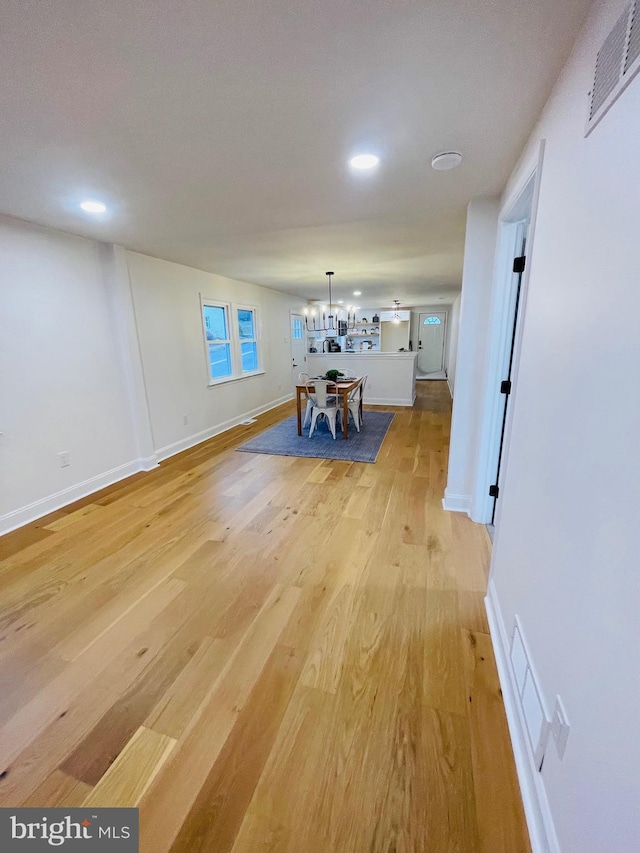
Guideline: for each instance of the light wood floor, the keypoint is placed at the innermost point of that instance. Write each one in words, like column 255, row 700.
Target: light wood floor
column 264, row 653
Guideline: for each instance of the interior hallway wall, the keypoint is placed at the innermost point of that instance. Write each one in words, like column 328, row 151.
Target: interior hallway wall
column 451, row 356
column 63, row 387
column 168, row 316
column 566, row 548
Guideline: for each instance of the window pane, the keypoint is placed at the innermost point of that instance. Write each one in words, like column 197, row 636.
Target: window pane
column 245, row 324
column 249, row 356
column 432, row 321
column 215, row 323
column 297, row 329
column 219, row 360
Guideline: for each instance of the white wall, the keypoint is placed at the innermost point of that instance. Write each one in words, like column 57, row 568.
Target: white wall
column 451, row 354
column 63, row 387
column 167, row 307
column 566, row 550
column 477, row 278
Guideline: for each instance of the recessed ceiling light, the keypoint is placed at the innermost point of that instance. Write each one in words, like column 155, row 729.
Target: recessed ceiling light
column 93, row 206
column 340, row 301
column 446, row 160
column 364, row 161
column 357, row 293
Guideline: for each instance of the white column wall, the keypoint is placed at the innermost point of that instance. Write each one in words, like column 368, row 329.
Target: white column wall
column 477, row 279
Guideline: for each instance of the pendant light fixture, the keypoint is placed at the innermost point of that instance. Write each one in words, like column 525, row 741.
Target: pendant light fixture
column 396, row 317
column 329, row 323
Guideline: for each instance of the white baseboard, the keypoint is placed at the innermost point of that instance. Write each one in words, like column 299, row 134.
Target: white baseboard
column 198, row 437
column 449, row 387
column 149, row 462
column 456, row 503
column 534, row 796
column 19, row 517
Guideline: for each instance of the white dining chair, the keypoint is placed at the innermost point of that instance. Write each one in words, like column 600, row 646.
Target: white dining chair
column 322, row 405
column 354, row 402
column 303, row 378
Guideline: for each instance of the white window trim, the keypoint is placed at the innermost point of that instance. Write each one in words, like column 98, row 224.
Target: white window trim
column 230, row 309
column 237, row 306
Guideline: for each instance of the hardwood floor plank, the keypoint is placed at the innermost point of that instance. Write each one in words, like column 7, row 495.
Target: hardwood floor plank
column 217, row 814
column 18, row 732
column 59, row 789
column 133, row 771
column 500, row 817
column 445, row 684
column 265, row 653
column 179, row 702
column 171, row 798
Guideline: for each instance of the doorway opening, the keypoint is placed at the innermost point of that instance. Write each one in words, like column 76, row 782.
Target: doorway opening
column 515, row 236
column 298, row 348
column 431, row 335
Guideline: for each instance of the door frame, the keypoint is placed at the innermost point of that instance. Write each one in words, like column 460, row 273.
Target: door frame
column 445, row 336
column 300, row 314
column 522, row 205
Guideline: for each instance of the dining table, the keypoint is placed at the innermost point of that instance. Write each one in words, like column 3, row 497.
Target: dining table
column 342, row 388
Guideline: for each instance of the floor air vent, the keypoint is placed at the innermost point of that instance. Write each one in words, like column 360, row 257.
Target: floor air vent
column 617, row 63
column 532, row 706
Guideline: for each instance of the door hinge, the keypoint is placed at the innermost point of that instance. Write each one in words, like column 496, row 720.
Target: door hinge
column 518, row 263
column 493, row 491
column 505, row 386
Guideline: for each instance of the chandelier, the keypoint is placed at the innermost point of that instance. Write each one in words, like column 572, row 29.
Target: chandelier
column 326, row 323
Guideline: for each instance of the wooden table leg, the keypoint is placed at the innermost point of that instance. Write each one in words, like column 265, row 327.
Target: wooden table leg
column 345, row 415
column 299, row 408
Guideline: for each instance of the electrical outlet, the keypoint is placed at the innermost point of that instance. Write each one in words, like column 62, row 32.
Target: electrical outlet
column 65, row 458
column 560, row 727
column 185, row 420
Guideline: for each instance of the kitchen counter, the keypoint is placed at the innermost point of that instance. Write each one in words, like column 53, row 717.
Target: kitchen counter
column 392, row 375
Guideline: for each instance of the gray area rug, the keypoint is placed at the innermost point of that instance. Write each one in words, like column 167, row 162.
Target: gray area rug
column 363, row 446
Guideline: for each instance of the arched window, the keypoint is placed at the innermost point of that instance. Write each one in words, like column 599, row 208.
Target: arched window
column 432, row 321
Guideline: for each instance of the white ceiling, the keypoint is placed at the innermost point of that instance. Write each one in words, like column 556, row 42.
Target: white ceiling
column 218, row 131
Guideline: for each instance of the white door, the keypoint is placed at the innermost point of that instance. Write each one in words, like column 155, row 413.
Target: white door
column 298, row 347
column 431, row 342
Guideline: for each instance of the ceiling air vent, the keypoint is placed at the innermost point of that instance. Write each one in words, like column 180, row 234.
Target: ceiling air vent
column 617, row 63
column 633, row 42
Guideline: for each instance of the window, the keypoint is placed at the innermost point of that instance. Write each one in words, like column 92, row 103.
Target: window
column 297, row 329
column 216, row 327
column 431, row 321
column 232, row 341
column 248, row 339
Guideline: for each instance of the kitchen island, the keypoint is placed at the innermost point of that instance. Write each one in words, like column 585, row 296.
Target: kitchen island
column 392, row 375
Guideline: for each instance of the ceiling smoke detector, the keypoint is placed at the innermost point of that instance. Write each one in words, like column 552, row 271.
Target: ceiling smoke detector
column 446, row 160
